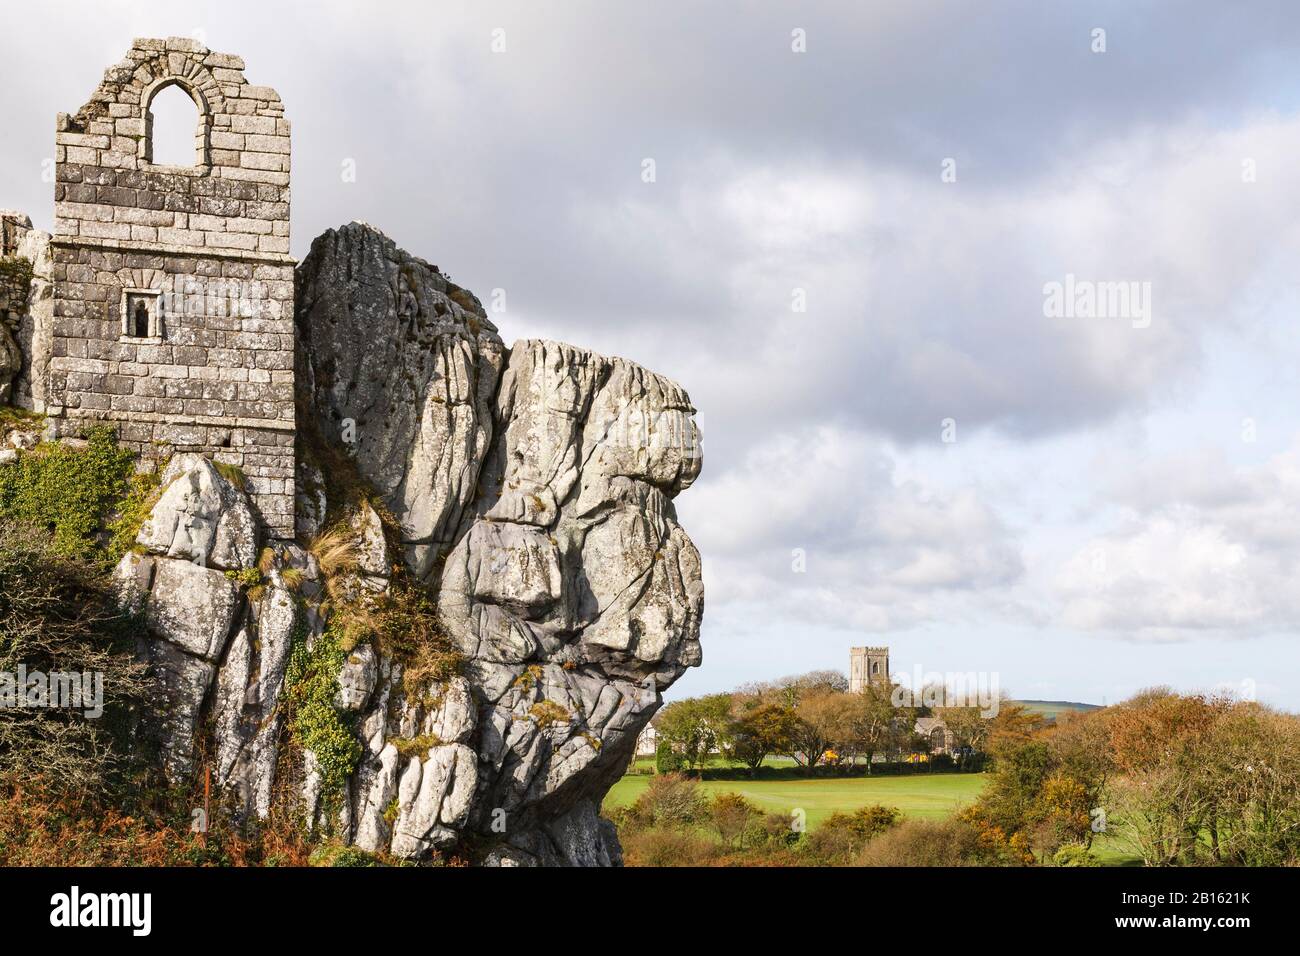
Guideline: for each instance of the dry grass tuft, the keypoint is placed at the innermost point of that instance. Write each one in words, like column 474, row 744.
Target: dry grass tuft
column 335, row 550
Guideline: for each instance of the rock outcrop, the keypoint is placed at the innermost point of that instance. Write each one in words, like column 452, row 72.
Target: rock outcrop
column 217, row 642
column 528, row 491
column 191, row 609
column 400, row 367
column 201, row 518
column 26, row 311
column 11, row 363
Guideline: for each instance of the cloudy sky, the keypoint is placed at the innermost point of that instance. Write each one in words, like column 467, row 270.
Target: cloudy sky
column 855, row 212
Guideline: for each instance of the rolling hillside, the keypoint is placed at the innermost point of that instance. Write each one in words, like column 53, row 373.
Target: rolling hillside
column 1050, row 708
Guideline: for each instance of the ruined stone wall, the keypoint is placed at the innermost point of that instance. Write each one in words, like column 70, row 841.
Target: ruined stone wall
column 15, row 273
column 202, row 250
column 27, row 310
column 15, row 287
column 13, row 227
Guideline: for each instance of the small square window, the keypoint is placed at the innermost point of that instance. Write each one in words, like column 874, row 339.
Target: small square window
column 142, row 314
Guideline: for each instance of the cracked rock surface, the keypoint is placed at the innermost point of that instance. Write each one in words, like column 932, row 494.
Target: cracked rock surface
column 530, row 491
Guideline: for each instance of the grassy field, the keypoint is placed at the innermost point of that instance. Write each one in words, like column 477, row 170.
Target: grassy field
column 932, row 795
column 1109, row 853
column 918, row 795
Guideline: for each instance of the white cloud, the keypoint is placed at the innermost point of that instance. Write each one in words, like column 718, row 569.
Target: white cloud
column 879, row 551
column 1204, row 549
column 924, row 299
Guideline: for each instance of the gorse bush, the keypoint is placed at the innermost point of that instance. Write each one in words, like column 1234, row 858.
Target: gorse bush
column 737, row 821
column 672, row 800
column 668, row 847
column 927, row 843
column 1074, row 854
column 843, row 835
column 338, row 855
column 674, row 823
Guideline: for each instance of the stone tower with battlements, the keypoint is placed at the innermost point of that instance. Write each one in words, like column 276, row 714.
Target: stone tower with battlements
column 173, row 285
column 867, row 665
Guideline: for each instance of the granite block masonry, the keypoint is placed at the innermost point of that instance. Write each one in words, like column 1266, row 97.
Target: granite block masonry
column 173, row 286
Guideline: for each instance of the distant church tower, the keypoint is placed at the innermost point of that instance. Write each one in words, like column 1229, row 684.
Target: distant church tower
column 867, row 665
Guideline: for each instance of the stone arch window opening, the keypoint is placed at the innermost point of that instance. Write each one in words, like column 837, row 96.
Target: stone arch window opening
column 175, row 126
column 142, row 314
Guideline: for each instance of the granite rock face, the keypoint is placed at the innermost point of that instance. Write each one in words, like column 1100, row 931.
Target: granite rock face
column 191, row 610
column 534, row 493
column 201, row 517
column 400, row 367
column 248, row 722
column 575, row 595
column 11, row 363
column 26, row 311
column 528, row 491
column 34, row 329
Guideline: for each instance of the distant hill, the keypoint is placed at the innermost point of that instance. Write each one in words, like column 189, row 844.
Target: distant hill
column 1050, row 708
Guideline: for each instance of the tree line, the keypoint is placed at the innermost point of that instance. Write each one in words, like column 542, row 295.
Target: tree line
column 1174, row 779
column 1171, row 779
column 814, row 720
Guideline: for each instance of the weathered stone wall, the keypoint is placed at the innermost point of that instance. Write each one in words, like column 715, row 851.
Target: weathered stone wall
column 206, row 247
column 17, row 283
column 13, row 227
column 27, row 308
column 236, row 198
column 15, row 280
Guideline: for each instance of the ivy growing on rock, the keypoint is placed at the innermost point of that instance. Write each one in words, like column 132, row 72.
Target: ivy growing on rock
column 143, row 493
column 69, row 490
column 311, row 681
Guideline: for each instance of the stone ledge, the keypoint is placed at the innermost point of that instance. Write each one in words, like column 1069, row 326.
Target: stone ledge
column 213, row 421
column 164, row 249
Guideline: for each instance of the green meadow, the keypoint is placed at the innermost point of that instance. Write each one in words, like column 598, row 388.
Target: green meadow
column 932, row 795
column 929, row 795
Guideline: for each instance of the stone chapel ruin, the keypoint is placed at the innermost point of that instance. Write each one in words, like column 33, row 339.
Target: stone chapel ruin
column 172, row 285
